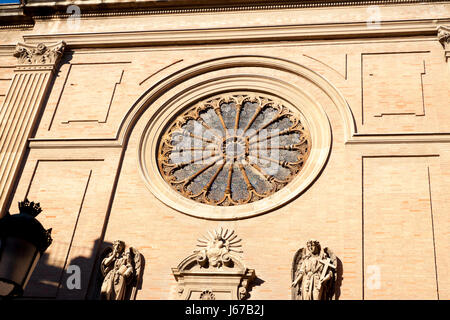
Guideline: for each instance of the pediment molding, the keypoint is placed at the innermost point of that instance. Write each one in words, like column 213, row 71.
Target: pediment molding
column 191, row 266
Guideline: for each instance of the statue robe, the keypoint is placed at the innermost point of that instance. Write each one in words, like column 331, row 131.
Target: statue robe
column 310, row 285
column 115, row 283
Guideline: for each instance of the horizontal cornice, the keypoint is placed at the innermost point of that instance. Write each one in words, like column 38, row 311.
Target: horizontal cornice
column 57, row 9
column 247, row 34
column 23, row 15
column 180, row 6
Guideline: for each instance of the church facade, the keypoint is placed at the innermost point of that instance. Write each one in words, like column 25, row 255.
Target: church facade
column 230, row 149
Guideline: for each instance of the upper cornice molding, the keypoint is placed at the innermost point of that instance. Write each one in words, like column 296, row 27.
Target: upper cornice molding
column 245, row 34
column 24, row 15
column 44, row 9
column 13, row 16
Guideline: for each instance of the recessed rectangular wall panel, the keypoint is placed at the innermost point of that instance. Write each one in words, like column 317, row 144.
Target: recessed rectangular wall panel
column 394, row 84
column 398, row 235
column 399, row 92
column 60, row 187
column 88, row 93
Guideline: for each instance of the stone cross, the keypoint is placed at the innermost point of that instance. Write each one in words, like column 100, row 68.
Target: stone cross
column 327, row 264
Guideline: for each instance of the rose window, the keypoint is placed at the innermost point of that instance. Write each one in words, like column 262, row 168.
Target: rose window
column 233, row 149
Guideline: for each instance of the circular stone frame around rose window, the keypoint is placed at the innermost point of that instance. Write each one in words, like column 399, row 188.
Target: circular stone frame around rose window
column 310, row 115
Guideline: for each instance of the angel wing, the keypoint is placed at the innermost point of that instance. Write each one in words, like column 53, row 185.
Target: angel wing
column 298, row 259
column 137, row 260
column 331, row 284
column 138, row 267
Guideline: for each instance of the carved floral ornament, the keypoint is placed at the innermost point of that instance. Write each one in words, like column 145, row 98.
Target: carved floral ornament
column 40, row 54
column 233, row 149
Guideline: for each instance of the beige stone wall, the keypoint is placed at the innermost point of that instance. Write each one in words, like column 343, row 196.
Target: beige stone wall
column 380, row 202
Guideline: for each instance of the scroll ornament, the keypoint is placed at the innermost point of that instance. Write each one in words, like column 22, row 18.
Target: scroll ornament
column 444, row 35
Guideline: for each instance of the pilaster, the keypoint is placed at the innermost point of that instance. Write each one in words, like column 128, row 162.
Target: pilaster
column 23, row 101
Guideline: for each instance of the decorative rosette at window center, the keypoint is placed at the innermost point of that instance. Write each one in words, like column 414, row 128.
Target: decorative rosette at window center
column 233, row 149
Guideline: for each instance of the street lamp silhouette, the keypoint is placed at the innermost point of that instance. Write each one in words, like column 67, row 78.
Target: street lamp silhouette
column 23, row 240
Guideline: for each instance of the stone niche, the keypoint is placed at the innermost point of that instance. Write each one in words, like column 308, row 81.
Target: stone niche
column 215, row 271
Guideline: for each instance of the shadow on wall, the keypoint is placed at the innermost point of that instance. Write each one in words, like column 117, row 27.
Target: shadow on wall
column 255, row 283
column 57, row 277
column 339, row 279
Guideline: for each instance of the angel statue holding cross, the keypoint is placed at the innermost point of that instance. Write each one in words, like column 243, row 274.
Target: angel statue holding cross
column 313, row 273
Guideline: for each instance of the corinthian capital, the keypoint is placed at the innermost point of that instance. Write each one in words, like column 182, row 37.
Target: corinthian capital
column 40, row 54
column 444, row 36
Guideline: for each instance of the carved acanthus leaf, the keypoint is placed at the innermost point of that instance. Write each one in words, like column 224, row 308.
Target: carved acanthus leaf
column 40, row 54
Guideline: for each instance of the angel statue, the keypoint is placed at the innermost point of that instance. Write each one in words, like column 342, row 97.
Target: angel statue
column 313, row 273
column 121, row 269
